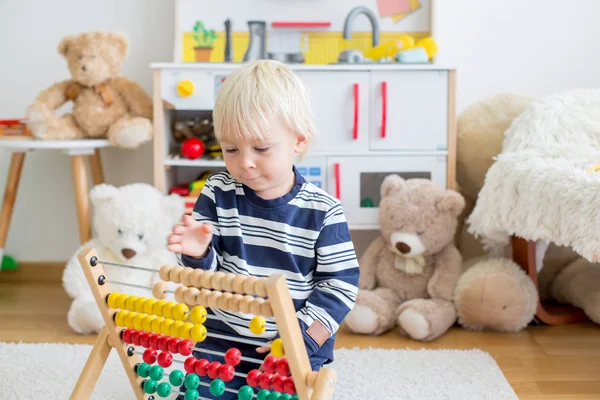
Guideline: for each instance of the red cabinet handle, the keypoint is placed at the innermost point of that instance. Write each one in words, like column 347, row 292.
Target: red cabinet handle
column 337, row 180
column 383, row 108
column 355, row 129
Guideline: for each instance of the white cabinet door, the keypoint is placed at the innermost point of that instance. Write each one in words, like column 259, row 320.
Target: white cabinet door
column 203, row 86
column 409, row 110
column 356, row 181
column 340, row 102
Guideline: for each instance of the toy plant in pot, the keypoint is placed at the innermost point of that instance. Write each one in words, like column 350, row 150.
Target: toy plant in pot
column 204, row 39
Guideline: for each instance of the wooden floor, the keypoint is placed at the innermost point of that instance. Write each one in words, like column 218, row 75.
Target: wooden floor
column 540, row 362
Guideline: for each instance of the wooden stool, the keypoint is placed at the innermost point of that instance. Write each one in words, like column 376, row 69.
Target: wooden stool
column 550, row 313
column 77, row 150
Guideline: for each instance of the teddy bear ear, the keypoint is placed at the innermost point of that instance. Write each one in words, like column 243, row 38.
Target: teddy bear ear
column 174, row 206
column 121, row 40
column 392, row 184
column 63, row 46
column 451, row 201
column 102, row 193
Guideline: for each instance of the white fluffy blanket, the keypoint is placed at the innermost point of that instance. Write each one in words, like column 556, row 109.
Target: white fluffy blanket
column 539, row 187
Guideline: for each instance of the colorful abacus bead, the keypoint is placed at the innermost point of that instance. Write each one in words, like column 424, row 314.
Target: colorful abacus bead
column 126, row 336
column 253, row 378
column 153, row 341
column 176, row 377
column 198, row 315
column 217, row 387
column 278, row 383
column 165, row 359
column 283, row 367
column 189, row 364
column 192, row 381
column 269, row 364
column 266, row 380
column 143, row 370
column 185, row 347
column 180, row 312
column 277, row 348
column 201, row 367
column 226, row 372
column 157, row 372
column 112, row 299
column 164, row 389
column 246, row 393
column 263, row 395
column 150, row 356
column 288, row 385
column 191, row 395
column 233, row 356
column 173, row 344
column 130, row 302
column 198, row 333
column 213, row 369
column 150, row 386
column 258, row 325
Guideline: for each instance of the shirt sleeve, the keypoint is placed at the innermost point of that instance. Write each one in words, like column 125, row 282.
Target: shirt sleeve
column 205, row 210
column 336, row 281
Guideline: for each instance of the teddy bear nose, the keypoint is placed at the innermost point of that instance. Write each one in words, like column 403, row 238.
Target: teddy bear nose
column 128, row 253
column 83, row 67
column 403, row 247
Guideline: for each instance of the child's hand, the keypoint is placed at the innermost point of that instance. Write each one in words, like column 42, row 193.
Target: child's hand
column 192, row 238
column 263, row 349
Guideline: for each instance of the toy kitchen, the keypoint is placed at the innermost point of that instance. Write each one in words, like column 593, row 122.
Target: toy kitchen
column 380, row 106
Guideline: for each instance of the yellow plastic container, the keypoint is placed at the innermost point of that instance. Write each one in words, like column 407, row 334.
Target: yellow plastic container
column 389, row 49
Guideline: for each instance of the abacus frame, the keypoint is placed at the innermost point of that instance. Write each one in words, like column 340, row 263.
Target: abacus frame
column 310, row 385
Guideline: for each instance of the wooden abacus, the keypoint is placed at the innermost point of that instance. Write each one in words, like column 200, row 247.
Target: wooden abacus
column 131, row 320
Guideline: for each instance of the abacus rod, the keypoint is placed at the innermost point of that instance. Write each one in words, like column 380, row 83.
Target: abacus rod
column 127, row 266
column 217, row 353
column 136, row 286
column 238, row 339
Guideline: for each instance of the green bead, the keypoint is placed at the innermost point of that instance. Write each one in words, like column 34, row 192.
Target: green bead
column 246, row 393
column 191, row 395
column 294, row 397
column 217, row 387
column 176, row 377
column 263, row 395
column 274, row 396
column 157, row 372
column 164, row 389
column 285, row 396
column 150, row 386
column 192, row 381
column 143, row 370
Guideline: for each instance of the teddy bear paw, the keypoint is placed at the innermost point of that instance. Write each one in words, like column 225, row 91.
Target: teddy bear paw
column 36, row 121
column 361, row 320
column 414, row 324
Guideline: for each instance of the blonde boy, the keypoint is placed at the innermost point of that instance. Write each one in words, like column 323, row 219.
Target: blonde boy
column 261, row 217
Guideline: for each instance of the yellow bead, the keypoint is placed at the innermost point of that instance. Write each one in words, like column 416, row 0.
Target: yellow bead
column 158, row 306
column 165, row 326
column 167, row 309
column 198, row 333
column 186, row 330
column 277, row 348
column 198, row 315
column 258, row 325
column 156, row 324
column 119, row 319
column 121, row 301
column 185, row 88
column 180, row 311
column 129, row 319
column 147, row 322
column 176, row 329
column 139, row 304
column 137, row 321
column 130, row 303
column 112, row 299
column 149, row 305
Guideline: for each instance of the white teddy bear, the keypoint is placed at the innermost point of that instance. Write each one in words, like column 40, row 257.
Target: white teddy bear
column 131, row 225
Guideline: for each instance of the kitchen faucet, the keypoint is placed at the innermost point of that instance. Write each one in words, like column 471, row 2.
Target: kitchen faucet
column 352, row 55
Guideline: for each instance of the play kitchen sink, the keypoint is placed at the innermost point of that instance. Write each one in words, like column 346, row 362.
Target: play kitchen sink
column 287, row 40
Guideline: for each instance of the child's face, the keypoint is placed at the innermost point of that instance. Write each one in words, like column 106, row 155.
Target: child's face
column 264, row 166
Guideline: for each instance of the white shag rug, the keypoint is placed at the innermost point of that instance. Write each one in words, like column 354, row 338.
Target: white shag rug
column 50, row 371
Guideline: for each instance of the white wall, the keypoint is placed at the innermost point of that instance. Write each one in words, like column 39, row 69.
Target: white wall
column 533, row 46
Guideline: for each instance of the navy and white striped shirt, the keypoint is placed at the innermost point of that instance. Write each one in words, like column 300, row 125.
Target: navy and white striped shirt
column 302, row 235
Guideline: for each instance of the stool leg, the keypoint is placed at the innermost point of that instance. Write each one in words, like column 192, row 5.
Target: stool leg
column 96, row 167
column 81, row 196
column 10, row 194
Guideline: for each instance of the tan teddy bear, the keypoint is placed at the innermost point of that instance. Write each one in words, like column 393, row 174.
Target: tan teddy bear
column 105, row 105
column 408, row 274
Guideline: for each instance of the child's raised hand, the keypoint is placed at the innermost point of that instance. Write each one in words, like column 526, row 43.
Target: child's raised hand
column 191, row 238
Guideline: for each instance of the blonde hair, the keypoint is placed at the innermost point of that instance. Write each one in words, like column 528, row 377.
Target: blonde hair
column 252, row 96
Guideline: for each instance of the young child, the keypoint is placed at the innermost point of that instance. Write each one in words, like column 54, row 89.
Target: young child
column 261, row 217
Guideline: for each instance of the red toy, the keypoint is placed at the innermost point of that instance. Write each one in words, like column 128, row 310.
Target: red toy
column 192, row 148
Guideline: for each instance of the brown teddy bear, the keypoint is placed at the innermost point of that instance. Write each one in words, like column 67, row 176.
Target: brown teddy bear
column 408, row 274
column 495, row 293
column 105, row 105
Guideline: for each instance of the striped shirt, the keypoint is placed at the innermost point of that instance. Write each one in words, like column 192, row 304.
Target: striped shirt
column 302, row 235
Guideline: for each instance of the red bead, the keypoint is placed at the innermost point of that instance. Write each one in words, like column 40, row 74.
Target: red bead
column 185, row 347
column 150, row 356
column 278, row 383
column 226, row 372
column 162, row 343
column 201, row 367
column 127, row 335
column 173, row 345
column 145, row 339
column 265, row 380
column 189, row 365
column 135, row 337
column 283, row 367
column 288, row 386
column 165, row 359
column 153, row 341
column 213, row 369
column 233, row 356
column 269, row 363
column 253, row 377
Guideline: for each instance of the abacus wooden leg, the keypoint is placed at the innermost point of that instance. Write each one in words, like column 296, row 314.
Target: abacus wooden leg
column 548, row 313
column 10, row 194
column 93, row 367
column 80, row 182
column 96, row 167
